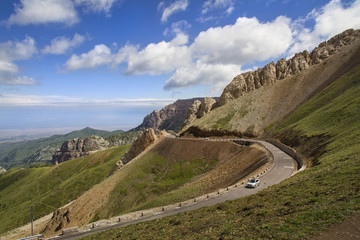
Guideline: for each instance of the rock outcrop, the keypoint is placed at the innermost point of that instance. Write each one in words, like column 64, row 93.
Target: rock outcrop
column 79, row 147
column 2, row 170
column 140, row 144
column 192, row 112
column 272, row 72
column 205, row 106
column 171, row 117
column 199, row 109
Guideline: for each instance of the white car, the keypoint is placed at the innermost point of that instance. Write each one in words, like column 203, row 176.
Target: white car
column 253, row 183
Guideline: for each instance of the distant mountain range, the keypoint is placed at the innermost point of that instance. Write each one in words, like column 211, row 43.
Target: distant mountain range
column 26, row 153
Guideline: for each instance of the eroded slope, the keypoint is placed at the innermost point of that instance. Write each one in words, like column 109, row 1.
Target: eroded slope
column 173, row 170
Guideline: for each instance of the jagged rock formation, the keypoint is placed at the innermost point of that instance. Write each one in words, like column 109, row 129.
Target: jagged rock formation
column 59, row 220
column 272, row 72
column 171, row 117
column 2, row 170
column 140, row 144
column 192, row 112
column 199, row 109
column 79, row 147
column 205, row 107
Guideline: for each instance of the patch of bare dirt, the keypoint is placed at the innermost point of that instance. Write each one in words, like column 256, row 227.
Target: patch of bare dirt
column 347, row 230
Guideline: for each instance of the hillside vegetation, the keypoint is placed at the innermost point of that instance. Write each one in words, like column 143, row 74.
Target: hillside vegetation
column 174, row 170
column 48, row 188
column 325, row 130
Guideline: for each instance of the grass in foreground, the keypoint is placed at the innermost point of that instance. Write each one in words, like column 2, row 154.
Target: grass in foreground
column 299, row 207
column 48, row 188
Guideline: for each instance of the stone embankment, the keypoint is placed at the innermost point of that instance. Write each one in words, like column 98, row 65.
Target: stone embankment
column 272, row 72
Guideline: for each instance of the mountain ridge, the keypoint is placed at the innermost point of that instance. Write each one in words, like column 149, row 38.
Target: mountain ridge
column 252, row 113
column 23, row 154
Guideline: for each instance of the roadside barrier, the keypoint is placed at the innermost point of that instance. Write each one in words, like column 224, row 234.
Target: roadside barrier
column 288, row 151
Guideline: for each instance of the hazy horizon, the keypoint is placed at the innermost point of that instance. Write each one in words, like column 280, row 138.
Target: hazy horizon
column 107, row 64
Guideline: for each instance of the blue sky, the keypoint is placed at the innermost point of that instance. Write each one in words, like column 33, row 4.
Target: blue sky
column 107, row 63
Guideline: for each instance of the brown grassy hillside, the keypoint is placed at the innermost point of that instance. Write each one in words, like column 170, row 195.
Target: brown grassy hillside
column 173, row 170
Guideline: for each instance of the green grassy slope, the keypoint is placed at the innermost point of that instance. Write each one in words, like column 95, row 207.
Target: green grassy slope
column 48, row 188
column 325, row 129
column 147, row 179
column 14, row 154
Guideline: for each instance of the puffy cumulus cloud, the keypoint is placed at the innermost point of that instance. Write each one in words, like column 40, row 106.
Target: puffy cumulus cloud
column 330, row 20
column 12, row 51
column 209, row 5
column 61, row 45
column 98, row 56
column 178, row 5
column 160, row 58
column 154, row 59
column 44, row 11
column 216, row 75
column 246, row 41
column 97, row 5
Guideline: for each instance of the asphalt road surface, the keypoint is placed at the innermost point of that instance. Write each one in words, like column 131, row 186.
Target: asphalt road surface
column 284, row 167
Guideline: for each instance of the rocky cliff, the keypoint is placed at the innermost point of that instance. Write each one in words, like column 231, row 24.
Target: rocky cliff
column 199, row 109
column 249, row 81
column 139, row 145
column 171, row 117
column 254, row 102
column 79, row 147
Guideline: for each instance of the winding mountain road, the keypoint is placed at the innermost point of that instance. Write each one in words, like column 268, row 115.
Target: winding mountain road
column 284, row 167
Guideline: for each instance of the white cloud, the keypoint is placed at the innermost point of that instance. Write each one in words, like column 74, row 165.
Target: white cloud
column 97, row 5
column 216, row 75
column 8, row 79
column 61, row 45
column 177, row 27
column 209, row 5
column 44, row 11
column 246, row 41
column 13, row 51
column 65, row 101
column 154, row 59
column 330, row 20
column 160, row 58
column 98, row 56
column 178, row 5
column 218, row 54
